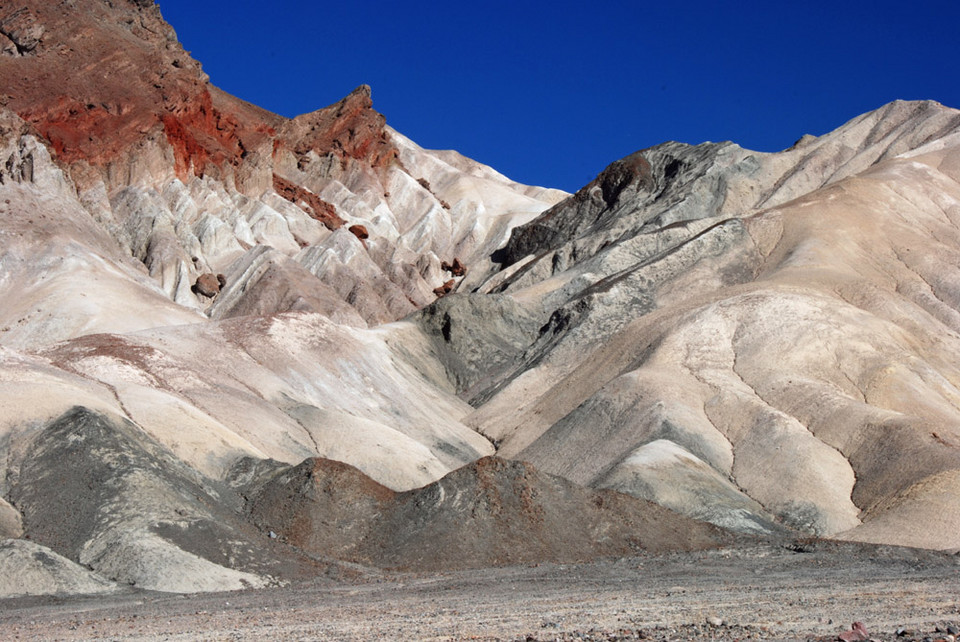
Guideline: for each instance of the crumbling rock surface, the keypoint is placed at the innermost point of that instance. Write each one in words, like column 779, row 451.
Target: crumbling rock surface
column 101, row 493
column 23, row 30
column 492, row 512
column 315, row 206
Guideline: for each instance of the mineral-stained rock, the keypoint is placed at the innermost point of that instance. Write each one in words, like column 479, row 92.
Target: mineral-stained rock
column 456, row 268
column 445, row 289
column 359, row 231
column 207, row 285
column 318, row 208
column 349, row 128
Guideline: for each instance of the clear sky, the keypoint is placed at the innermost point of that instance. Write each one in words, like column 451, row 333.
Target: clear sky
column 549, row 93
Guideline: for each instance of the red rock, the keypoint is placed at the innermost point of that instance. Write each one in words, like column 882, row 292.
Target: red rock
column 456, row 268
column 351, row 129
column 359, row 231
column 107, row 77
column 444, row 289
column 312, row 204
column 857, row 633
column 207, row 284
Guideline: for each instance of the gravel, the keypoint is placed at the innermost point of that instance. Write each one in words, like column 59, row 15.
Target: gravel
column 766, row 592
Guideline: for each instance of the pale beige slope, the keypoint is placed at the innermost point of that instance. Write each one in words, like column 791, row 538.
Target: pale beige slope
column 810, row 357
column 286, row 387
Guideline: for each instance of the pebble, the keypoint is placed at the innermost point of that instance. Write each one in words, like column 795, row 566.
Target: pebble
column 713, row 620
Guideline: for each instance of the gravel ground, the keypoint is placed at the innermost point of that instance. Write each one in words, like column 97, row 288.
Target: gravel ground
column 799, row 591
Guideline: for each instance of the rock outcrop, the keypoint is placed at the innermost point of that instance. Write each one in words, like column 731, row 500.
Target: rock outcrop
column 492, row 512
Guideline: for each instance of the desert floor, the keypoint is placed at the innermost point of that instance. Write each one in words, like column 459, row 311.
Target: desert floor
column 792, row 591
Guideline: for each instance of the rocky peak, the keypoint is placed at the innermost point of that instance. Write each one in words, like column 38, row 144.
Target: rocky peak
column 349, row 129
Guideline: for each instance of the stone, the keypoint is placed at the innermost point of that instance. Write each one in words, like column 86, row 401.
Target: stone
column 207, row 285
column 857, row 633
column 444, row 289
column 359, row 231
column 457, row 268
column 23, row 29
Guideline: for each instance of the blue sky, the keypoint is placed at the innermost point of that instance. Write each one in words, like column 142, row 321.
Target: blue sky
column 549, row 93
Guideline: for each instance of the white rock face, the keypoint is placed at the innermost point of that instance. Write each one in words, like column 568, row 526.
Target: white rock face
column 11, row 522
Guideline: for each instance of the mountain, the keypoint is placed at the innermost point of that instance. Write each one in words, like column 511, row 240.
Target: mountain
column 240, row 350
column 723, row 328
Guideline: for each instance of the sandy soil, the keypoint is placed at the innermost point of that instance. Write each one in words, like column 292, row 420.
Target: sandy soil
column 769, row 591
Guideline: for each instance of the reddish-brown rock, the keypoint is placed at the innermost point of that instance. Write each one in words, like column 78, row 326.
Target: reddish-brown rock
column 359, row 231
column 208, row 285
column 102, row 78
column 457, row 268
column 312, row 204
column 350, row 129
column 444, row 289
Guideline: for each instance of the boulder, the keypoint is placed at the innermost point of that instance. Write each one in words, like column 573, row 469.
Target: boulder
column 359, row 231
column 23, row 29
column 208, row 285
column 457, row 268
column 444, row 289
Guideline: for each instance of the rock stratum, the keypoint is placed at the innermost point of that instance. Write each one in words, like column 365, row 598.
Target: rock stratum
column 239, row 350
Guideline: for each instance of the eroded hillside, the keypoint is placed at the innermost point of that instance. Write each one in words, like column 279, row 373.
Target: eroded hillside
column 241, row 350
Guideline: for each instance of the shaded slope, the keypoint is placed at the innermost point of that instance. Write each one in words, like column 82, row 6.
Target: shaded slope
column 103, row 494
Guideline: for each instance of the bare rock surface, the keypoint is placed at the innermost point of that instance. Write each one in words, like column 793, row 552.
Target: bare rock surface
column 11, row 522
column 686, row 304
column 492, row 512
column 109, row 498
